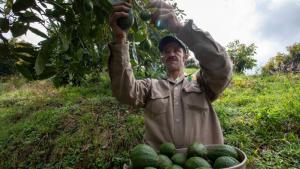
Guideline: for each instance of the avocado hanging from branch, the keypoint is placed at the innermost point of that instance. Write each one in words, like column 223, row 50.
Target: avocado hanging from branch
column 126, row 22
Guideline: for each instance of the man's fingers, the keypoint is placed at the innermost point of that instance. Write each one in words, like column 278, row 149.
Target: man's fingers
column 123, row 4
column 115, row 16
column 121, row 8
column 165, row 17
column 158, row 4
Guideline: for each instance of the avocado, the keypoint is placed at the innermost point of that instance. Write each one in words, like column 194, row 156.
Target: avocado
column 167, row 149
column 145, row 15
column 221, row 150
column 161, row 24
column 178, row 158
column 225, row 162
column 126, row 22
column 164, row 161
column 197, row 149
column 195, row 162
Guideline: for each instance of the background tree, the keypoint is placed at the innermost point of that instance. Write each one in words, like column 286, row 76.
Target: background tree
column 75, row 44
column 284, row 63
column 241, row 55
column 192, row 63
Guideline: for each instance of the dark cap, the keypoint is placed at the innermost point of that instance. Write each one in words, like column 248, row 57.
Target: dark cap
column 167, row 39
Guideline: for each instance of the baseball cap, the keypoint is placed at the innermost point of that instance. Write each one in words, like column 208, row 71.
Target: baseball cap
column 167, row 39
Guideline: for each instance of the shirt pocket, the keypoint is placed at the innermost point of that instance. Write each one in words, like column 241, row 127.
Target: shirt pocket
column 194, row 99
column 158, row 103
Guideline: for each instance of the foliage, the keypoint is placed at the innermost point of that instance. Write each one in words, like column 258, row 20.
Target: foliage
column 7, row 64
column 84, row 127
column 19, row 56
column 191, row 63
column 241, row 55
column 75, row 43
column 281, row 62
column 264, row 119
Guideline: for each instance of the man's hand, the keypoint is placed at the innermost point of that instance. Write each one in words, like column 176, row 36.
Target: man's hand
column 165, row 13
column 119, row 10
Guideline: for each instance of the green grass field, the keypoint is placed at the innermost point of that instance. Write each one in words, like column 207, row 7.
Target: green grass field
column 85, row 127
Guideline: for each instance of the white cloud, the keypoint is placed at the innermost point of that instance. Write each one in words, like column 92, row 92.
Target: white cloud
column 248, row 21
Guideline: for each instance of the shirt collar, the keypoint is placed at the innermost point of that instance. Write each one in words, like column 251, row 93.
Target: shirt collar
column 176, row 81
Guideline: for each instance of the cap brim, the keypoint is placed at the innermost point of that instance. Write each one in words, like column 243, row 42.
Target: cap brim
column 168, row 39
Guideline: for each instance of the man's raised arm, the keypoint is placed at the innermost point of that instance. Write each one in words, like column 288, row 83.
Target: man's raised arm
column 216, row 66
column 124, row 85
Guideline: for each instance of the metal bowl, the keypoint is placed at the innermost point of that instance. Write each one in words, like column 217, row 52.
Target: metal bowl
column 242, row 156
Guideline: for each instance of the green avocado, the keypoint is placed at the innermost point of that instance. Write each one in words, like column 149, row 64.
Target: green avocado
column 174, row 167
column 225, row 162
column 145, row 15
column 195, row 162
column 197, row 149
column 149, row 168
column 164, row 161
column 143, row 156
column 167, row 149
column 126, row 22
column 178, row 158
column 221, row 150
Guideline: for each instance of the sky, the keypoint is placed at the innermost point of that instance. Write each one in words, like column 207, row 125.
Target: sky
column 271, row 25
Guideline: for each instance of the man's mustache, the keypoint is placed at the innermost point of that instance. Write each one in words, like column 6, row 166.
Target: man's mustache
column 172, row 58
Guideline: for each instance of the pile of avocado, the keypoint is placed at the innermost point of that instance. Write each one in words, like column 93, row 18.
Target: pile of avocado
column 197, row 156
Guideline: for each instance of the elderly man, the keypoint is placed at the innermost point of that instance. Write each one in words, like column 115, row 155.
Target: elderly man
column 178, row 109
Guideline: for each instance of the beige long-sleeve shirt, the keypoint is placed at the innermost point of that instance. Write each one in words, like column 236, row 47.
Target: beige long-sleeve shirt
column 176, row 111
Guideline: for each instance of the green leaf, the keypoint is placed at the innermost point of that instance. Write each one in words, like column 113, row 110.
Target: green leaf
column 56, row 13
column 20, row 5
column 65, row 42
column 23, row 68
column 25, row 56
column 18, row 29
column 88, row 6
column 47, row 73
column 22, row 47
column 4, row 50
column 100, row 14
column 135, row 25
column 4, row 25
column 139, row 36
column 8, row 7
column 42, row 57
column 105, row 5
column 29, row 17
column 38, row 32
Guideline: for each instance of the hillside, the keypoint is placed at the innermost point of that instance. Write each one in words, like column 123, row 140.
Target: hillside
column 84, row 127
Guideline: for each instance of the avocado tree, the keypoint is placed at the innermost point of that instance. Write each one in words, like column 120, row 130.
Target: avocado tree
column 75, row 44
column 241, row 55
column 284, row 63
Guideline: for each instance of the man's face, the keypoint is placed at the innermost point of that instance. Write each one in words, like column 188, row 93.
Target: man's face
column 173, row 56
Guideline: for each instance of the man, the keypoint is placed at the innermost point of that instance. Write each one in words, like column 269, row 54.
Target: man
column 177, row 108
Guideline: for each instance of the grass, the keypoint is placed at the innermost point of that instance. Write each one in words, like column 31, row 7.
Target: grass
column 85, row 127
column 264, row 115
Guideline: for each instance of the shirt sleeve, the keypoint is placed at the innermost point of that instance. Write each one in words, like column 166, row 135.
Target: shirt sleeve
column 216, row 66
column 125, row 87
